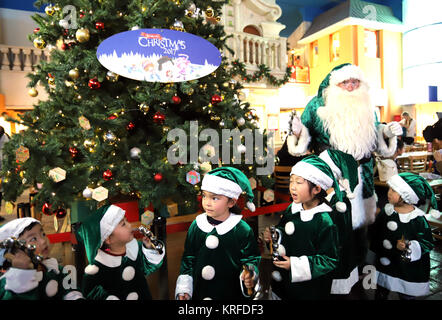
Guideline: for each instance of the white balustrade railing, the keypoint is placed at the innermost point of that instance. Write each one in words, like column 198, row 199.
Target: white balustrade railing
column 254, row 50
column 20, row 58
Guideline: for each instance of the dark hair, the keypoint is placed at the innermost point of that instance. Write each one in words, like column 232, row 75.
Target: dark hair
column 321, row 196
column 28, row 228
column 235, row 209
column 432, row 132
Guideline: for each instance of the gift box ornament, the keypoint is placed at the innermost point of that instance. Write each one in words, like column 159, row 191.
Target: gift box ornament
column 193, row 177
column 147, row 218
column 57, row 174
column 100, row 194
column 22, row 154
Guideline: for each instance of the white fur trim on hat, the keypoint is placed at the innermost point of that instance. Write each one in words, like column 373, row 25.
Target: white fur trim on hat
column 15, row 227
column 52, row 288
column 222, row 186
column 405, row 191
column 208, row 273
column 110, row 220
column 212, row 242
column 347, row 72
column 128, row 273
column 91, row 269
column 289, row 228
column 312, row 174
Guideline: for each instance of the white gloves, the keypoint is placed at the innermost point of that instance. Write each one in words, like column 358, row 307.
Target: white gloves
column 296, row 126
column 392, row 129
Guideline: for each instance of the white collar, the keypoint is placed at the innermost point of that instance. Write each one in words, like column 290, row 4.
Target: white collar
column 307, row 215
column 51, row 264
column 404, row 217
column 222, row 228
column 115, row 261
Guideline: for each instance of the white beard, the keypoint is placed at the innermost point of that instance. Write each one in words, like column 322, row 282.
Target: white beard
column 349, row 119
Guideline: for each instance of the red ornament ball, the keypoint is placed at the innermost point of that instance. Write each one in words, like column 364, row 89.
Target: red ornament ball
column 130, row 126
column 159, row 117
column 46, row 209
column 60, row 213
column 158, row 177
column 94, row 84
column 176, row 99
column 99, row 25
column 36, row 30
column 107, row 175
column 73, row 151
column 216, row 99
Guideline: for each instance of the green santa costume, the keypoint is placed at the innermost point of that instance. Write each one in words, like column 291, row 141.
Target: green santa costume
column 111, row 277
column 32, row 284
column 309, row 238
column 214, row 254
column 345, row 171
column 393, row 273
column 321, row 127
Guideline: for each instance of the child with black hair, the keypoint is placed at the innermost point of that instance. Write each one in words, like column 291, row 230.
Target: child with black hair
column 22, row 281
column 402, row 238
column 219, row 244
column 307, row 237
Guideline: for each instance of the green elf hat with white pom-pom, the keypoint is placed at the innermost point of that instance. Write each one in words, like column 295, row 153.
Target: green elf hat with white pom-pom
column 345, row 168
column 318, row 172
column 229, row 182
column 98, row 227
column 412, row 188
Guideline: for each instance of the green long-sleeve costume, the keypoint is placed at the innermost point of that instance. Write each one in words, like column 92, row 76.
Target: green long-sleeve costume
column 310, row 239
column 30, row 284
column 121, row 277
column 410, row 278
column 214, row 257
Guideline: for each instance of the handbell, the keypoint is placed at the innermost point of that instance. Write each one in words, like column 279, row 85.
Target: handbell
column 157, row 245
column 406, row 254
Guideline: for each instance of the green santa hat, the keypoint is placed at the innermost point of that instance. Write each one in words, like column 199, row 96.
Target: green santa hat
column 229, row 182
column 98, row 227
column 345, row 169
column 317, row 171
column 412, row 188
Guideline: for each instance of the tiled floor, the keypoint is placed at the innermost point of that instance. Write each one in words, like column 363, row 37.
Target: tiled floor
column 175, row 247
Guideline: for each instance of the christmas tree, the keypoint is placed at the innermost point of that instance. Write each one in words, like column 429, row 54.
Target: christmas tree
column 106, row 134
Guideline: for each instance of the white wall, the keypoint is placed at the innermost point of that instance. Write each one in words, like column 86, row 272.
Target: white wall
column 15, row 26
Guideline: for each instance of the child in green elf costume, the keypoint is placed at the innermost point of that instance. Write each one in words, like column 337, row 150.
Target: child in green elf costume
column 402, row 238
column 307, row 237
column 219, row 243
column 118, row 263
column 22, row 281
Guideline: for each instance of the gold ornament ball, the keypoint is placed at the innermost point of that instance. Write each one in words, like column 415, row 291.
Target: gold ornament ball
column 144, row 107
column 51, row 81
column 209, row 12
column 39, row 43
column 74, row 74
column 33, row 92
column 112, row 77
column 49, row 10
column 82, row 35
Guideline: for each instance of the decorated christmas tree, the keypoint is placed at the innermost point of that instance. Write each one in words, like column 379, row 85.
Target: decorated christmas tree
column 100, row 135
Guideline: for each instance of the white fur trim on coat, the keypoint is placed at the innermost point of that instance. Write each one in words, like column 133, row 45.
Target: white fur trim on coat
column 402, row 286
column 300, row 269
column 21, row 280
column 416, row 251
column 153, row 256
column 298, row 147
column 343, row 286
column 73, row 295
column 184, row 284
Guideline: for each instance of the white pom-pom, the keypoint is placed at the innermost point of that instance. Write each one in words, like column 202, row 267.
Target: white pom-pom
column 281, row 250
column 289, row 228
column 276, row 275
column 435, row 213
column 384, row 261
column 392, row 225
column 128, row 273
column 212, row 242
column 91, row 269
column 52, row 288
column 208, row 273
column 387, row 244
column 111, row 297
column 341, row 206
column 132, row 296
column 251, row 206
column 208, row 298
